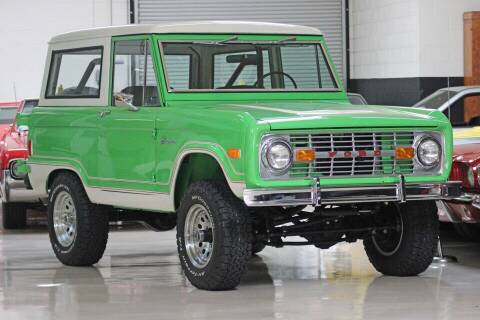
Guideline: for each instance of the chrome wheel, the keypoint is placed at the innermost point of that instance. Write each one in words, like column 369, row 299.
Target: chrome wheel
column 64, row 219
column 199, row 236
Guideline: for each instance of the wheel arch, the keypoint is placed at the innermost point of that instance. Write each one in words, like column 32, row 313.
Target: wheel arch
column 56, row 172
column 200, row 164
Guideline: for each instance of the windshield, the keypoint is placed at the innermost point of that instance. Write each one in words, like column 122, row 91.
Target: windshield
column 247, row 66
column 435, row 100
column 7, row 115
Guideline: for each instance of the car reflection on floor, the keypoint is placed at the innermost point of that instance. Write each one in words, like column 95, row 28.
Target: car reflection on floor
column 140, row 278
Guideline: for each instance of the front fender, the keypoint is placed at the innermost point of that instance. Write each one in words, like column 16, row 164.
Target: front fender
column 230, row 167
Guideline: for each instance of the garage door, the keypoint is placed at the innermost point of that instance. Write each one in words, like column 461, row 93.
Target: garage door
column 327, row 15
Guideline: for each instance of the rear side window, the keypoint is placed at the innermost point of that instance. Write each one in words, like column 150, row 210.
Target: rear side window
column 75, row 73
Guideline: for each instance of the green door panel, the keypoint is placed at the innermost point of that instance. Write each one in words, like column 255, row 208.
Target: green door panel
column 126, row 149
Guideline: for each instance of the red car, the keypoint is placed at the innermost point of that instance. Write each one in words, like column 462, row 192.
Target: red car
column 464, row 212
column 14, row 192
column 8, row 110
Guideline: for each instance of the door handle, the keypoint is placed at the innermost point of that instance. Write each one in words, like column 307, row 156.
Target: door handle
column 104, row 113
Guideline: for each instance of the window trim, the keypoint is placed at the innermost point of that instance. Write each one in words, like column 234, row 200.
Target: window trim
column 328, row 62
column 50, row 69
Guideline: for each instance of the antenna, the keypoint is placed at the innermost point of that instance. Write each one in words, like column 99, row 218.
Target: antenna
column 14, row 91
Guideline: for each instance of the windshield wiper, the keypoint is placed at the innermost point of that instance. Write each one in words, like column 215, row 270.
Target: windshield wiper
column 217, row 43
column 286, row 40
column 227, row 40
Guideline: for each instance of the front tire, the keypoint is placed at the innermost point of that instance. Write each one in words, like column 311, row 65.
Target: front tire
column 213, row 236
column 78, row 229
column 408, row 250
column 14, row 215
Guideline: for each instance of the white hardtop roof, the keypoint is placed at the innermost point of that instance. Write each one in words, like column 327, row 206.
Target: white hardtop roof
column 199, row 27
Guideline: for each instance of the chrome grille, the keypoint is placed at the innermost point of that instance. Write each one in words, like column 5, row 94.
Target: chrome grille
column 352, row 154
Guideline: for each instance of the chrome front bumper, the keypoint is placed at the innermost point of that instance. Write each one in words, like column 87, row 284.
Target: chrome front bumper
column 469, row 198
column 14, row 190
column 316, row 195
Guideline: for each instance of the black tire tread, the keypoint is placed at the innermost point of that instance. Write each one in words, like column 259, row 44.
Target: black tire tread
column 92, row 225
column 14, row 215
column 234, row 222
column 418, row 245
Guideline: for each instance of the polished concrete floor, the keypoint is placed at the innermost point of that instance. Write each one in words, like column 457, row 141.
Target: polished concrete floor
column 140, row 278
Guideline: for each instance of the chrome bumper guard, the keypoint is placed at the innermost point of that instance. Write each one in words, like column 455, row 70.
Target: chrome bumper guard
column 15, row 190
column 316, row 195
column 469, row 198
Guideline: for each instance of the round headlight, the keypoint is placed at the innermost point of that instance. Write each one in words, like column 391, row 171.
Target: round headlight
column 470, row 177
column 429, row 152
column 14, row 171
column 278, row 156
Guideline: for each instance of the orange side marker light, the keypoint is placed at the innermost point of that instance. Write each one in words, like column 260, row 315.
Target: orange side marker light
column 234, row 153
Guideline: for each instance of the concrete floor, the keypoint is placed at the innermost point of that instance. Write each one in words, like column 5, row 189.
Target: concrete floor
column 140, row 278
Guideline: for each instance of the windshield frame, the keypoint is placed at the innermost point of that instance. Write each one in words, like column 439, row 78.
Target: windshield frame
column 274, row 41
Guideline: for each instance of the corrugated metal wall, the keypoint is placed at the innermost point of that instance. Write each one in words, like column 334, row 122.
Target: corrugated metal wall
column 327, row 15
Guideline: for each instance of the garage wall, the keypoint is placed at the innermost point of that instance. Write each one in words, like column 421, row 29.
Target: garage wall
column 403, row 50
column 327, row 15
column 27, row 25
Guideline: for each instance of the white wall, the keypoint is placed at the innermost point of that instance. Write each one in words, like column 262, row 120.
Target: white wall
column 407, row 38
column 441, row 36
column 26, row 27
column 384, row 38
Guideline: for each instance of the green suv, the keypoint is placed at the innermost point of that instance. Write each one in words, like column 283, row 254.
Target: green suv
column 238, row 134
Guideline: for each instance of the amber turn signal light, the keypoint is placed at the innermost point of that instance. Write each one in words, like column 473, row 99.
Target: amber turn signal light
column 404, row 152
column 304, row 155
column 234, row 153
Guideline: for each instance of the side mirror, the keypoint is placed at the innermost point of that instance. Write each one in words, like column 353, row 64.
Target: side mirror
column 22, row 129
column 124, row 100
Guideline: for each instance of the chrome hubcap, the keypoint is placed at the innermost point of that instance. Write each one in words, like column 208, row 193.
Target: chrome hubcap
column 198, row 235
column 64, row 219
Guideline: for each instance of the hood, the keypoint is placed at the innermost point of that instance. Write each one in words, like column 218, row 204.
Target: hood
column 332, row 114
column 467, row 153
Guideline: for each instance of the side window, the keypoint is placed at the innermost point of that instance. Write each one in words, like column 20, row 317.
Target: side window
column 465, row 112
column 28, row 106
column 133, row 74
column 75, row 73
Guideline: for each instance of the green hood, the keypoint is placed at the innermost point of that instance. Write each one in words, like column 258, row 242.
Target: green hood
column 332, row 114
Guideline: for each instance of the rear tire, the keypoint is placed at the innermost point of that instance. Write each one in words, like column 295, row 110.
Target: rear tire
column 78, row 229
column 14, row 215
column 213, row 236
column 410, row 251
column 469, row 231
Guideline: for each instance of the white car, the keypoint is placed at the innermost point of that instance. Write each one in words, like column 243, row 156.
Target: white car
column 451, row 102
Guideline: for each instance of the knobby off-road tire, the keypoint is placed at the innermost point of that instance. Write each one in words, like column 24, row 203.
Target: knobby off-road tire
column 414, row 252
column 78, row 229
column 14, row 215
column 213, row 236
column 469, row 231
column 257, row 247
